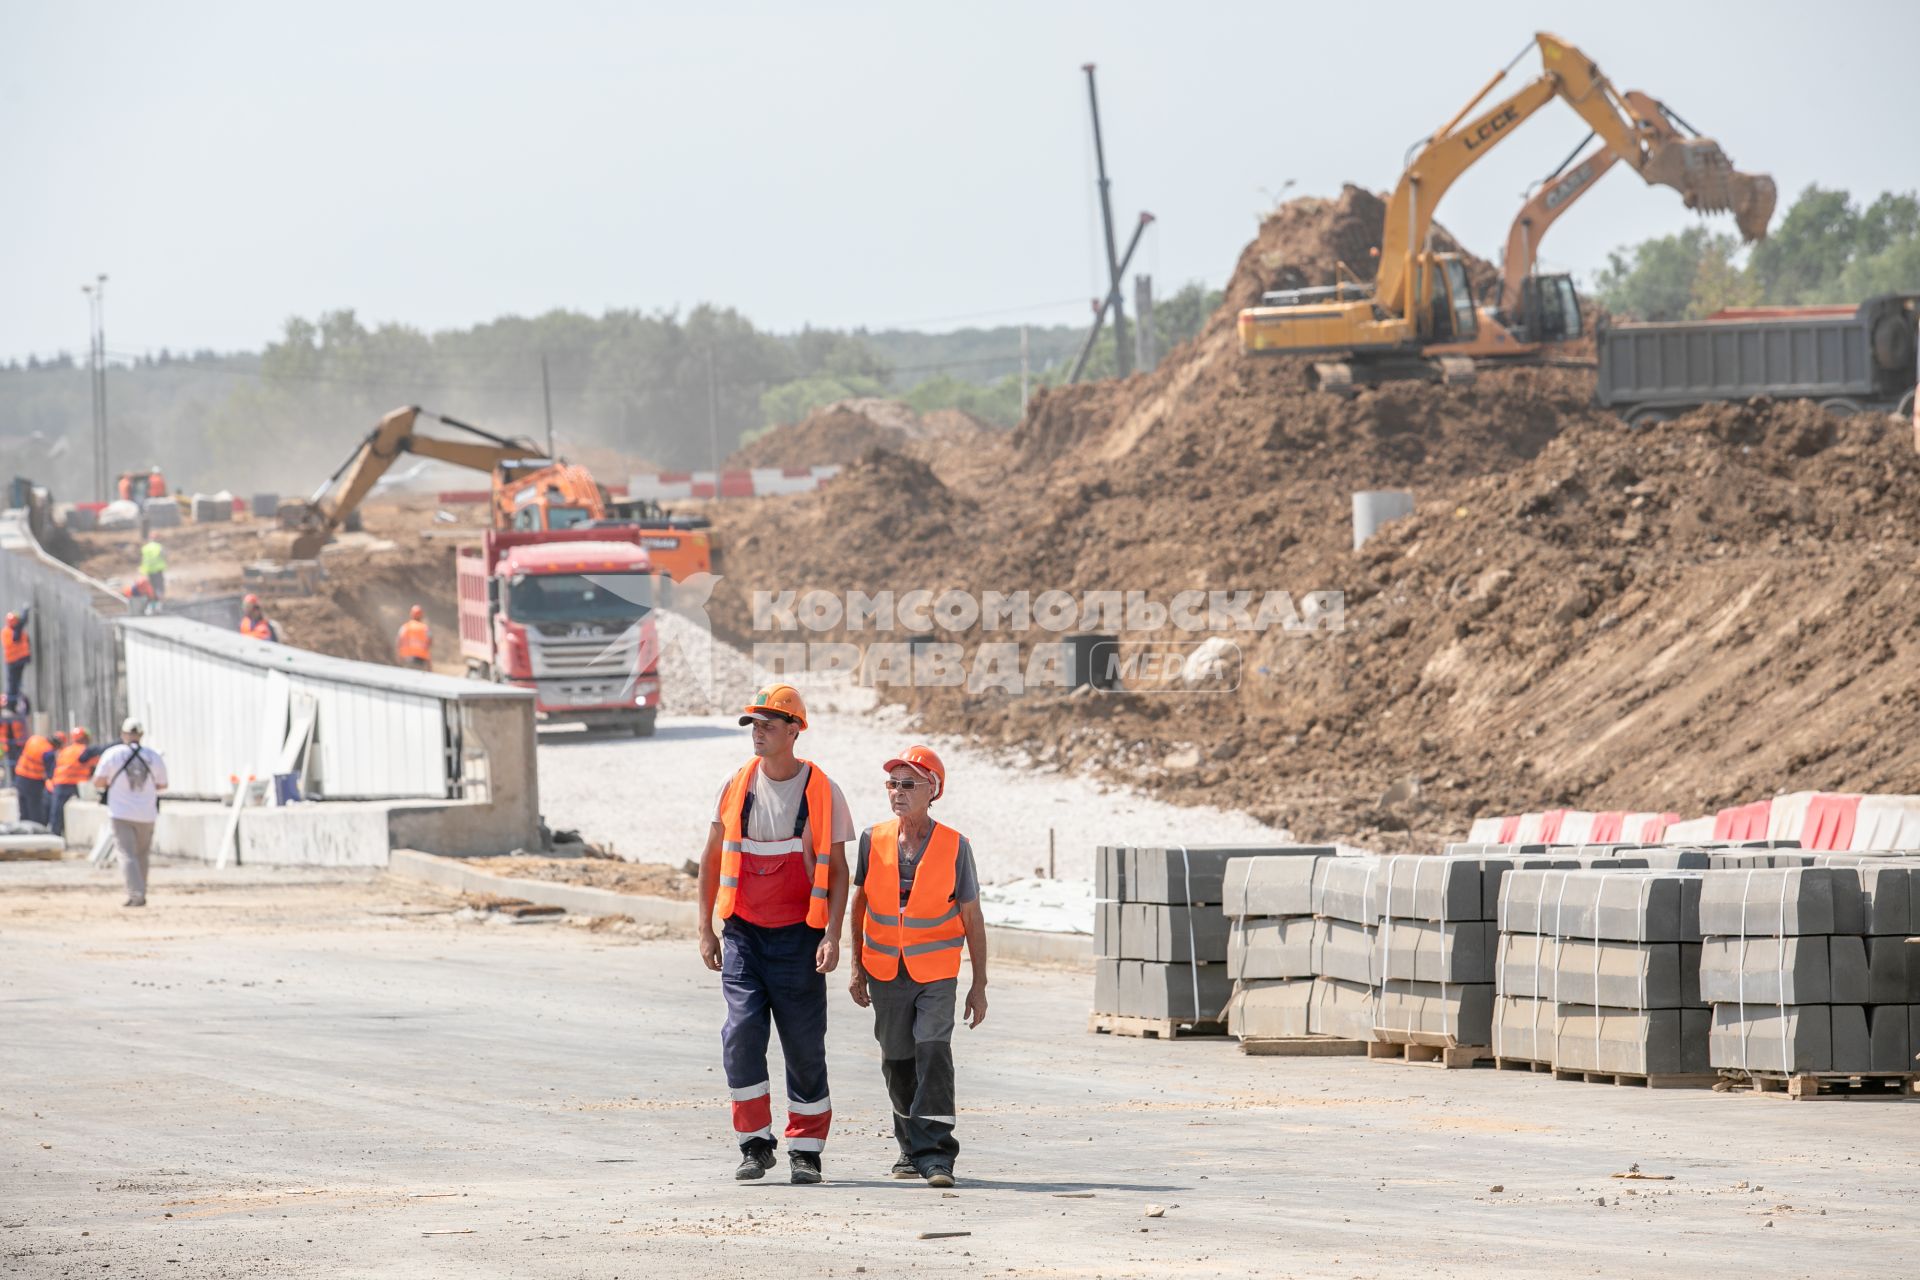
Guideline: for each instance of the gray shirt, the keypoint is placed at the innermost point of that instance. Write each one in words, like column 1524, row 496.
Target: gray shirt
column 966, row 881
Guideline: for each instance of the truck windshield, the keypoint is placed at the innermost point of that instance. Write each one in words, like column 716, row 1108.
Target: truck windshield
column 567, row 517
column 579, row 597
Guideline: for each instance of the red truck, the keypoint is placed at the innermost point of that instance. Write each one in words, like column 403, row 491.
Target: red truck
column 564, row 612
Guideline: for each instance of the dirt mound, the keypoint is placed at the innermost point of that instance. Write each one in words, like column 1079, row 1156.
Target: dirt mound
column 961, row 447
column 1577, row 613
column 837, row 433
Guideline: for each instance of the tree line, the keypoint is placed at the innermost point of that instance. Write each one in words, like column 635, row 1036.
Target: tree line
column 1827, row 248
column 671, row 388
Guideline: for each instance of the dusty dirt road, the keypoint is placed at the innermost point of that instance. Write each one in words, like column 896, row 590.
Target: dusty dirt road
column 273, row 1075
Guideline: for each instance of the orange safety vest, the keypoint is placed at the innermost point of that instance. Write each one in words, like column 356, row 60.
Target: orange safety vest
column 69, row 769
column 14, row 645
column 261, row 630
column 930, row 934
column 416, row 641
column 734, row 845
column 30, row 756
column 156, row 486
column 12, row 730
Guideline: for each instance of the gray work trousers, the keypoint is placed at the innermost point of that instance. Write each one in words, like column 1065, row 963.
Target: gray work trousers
column 913, row 1021
column 134, row 840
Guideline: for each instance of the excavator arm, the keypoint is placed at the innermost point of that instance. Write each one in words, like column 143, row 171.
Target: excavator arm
column 1695, row 167
column 321, row 516
column 1566, row 185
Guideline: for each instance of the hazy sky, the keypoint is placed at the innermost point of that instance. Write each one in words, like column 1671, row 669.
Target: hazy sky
column 230, row 165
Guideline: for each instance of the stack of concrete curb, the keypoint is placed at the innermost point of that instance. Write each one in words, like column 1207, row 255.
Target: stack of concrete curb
column 1270, row 943
column 1807, row 968
column 1160, row 935
column 1598, row 971
column 1434, row 950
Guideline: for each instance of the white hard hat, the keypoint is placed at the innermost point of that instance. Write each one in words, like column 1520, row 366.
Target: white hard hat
column 132, row 726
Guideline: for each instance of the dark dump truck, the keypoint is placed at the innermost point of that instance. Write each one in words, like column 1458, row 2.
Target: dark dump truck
column 1849, row 359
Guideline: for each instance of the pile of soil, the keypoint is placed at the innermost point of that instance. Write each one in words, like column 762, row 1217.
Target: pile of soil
column 844, row 431
column 1577, row 614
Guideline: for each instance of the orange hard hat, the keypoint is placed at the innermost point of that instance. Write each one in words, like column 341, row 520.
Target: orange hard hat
column 59, row 739
column 778, row 699
column 416, row 612
column 13, row 619
column 78, row 735
column 250, row 601
column 922, row 761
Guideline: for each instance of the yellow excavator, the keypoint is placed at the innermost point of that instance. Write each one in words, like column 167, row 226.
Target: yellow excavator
column 316, row 520
column 1525, row 299
column 1419, row 319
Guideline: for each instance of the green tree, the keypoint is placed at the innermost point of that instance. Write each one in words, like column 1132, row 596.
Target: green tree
column 1654, row 280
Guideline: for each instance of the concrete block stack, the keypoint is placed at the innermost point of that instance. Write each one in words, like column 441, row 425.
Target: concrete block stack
column 1598, row 971
column 1807, row 968
column 162, row 513
column 1434, row 950
column 1160, row 933
column 1345, row 964
column 1270, row 943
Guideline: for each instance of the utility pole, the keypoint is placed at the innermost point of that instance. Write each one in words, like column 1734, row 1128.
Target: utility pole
column 713, row 421
column 1024, row 365
column 1146, row 356
column 546, row 397
column 1120, row 352
column 97, row 376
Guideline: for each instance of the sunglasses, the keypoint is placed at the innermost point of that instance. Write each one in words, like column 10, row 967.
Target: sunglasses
column 903, row 784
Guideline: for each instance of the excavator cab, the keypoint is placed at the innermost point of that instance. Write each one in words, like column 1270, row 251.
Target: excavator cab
column 1451, row 313
column 1549, row 310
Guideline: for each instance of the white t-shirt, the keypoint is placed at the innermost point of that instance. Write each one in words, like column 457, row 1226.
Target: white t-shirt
column 776, row 803
column 134, row 794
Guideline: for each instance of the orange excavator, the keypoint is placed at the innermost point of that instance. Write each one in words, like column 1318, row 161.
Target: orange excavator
column 1419, row 319
column 1526, row 301
column 531, row 491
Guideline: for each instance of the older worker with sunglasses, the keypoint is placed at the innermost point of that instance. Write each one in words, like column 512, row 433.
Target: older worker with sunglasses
column 916, row 900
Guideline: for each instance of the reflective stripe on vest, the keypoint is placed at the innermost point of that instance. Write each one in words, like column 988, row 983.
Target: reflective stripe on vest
column 734, row 843
column 69, row 768
column 30, row 758
column 926, row 932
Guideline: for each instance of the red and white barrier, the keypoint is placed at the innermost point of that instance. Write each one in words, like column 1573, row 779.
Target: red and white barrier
column 1824, row 821
column 757, row 482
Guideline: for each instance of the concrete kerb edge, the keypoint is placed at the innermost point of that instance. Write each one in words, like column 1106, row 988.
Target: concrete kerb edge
column 1014, row 946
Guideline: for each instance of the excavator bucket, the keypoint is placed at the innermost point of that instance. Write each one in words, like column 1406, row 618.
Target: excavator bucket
column 1699, row 170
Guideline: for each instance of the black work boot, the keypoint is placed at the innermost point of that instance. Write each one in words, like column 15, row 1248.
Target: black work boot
column 756, row 1158
column 939, row 1175
column 805, row 1167
column 903, row 1169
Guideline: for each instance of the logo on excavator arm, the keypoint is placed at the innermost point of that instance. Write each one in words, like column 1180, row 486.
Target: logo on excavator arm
column 1569, row 186
column 1486, row 129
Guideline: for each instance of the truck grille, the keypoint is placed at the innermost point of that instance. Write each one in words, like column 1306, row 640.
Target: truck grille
column 600, row 654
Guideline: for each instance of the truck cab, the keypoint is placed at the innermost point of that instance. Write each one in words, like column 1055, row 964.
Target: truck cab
column 566, row 613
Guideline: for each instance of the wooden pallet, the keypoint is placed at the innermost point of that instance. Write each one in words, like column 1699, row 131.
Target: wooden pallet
column 1824, row 1085
column 1701, row 1080
column 1120, row 1024
column 1445, row 1056
column 1301, row 1047
column 1520, row 1064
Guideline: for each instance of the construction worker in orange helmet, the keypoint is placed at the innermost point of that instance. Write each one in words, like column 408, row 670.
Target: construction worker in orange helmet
column 72, row 765
column 775, row 871
column 16, row 650
column 916, row 900
column 415, row 642
column 254, row 621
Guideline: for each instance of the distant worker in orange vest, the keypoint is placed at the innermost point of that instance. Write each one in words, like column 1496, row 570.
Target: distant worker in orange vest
column 140, row 597
column 775, row 871
column 415, row 644
column 30, row 778
column 254, row 621
column 156, row 484
column 16, row 650
column 72, row 765
column 13, row 732
column 916, row 899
